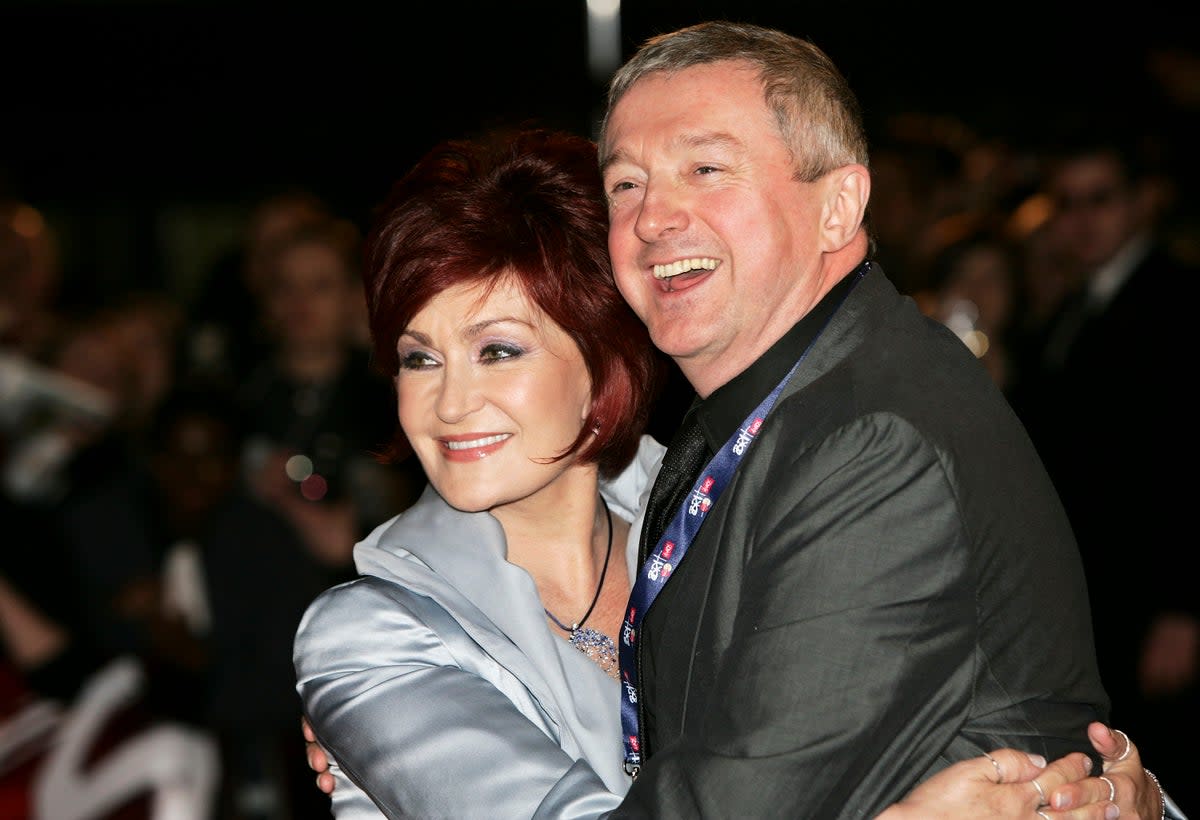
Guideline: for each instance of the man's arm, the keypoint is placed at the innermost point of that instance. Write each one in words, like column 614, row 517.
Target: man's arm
column 851, row 660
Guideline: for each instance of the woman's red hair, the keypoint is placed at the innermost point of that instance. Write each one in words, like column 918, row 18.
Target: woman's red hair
column 528, row 205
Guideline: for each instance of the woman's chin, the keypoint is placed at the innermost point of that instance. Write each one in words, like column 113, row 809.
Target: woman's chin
column 467, row 502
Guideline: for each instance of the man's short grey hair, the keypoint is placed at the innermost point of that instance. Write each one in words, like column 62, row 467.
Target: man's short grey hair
column 817, row 113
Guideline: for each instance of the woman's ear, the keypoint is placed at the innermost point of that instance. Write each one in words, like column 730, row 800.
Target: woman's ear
column 586, row 413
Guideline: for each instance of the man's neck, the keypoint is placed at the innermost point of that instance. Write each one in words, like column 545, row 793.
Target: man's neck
column 709, row 373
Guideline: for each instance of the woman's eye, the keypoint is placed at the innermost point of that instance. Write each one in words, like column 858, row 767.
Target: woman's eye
column 416, row 360
column 498, row 352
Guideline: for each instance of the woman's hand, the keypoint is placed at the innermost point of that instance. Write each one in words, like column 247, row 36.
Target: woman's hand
column 1012, row 784
column 1137, row 797
column 1001, row 785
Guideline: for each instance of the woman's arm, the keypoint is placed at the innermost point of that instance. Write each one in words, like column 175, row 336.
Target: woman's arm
column 1138, row 794
column 981, row 788
column 417, row 732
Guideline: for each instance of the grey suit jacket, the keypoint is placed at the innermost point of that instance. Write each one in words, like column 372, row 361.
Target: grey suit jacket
column 888, row 584
column 437, row 687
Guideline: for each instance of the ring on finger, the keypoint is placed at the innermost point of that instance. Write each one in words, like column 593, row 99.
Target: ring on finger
column 1112, row 789
column 1128, row 745
column 996, row 765
column 1042, row 801
column 1043, row 815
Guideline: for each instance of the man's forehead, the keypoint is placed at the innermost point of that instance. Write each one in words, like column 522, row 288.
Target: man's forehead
column 683, row 141
column 667, row 82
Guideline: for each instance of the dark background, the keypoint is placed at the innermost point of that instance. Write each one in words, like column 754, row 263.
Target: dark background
column 143, row 129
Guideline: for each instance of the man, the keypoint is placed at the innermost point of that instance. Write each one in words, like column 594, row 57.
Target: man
column 1088, row 402
column 868, row 600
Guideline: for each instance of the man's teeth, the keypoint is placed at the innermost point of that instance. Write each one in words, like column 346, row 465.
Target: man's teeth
column 683, row 266
column 479, row 442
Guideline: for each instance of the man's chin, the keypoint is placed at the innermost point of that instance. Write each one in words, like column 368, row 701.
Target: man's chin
column 675, row 339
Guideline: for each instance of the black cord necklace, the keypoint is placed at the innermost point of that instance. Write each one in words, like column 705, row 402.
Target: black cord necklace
column 572, row 630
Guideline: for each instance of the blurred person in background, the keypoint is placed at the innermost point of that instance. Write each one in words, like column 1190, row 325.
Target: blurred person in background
column 157, row 554
column 30, row 279
column 79, row 601
column 317, row 414
column 77, row 741
column 78, row 480
column 917, row 182
column 86, row 489
column 148, row 325
column 225, row 334
column 55, row 412
column 1091, row 394
column 1049, row 277
column 74, row 408
column 975, row 290
column 1173, row 66
column 218, row 542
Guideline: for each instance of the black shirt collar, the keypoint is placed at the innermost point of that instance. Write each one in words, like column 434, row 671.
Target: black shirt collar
column 729, row 405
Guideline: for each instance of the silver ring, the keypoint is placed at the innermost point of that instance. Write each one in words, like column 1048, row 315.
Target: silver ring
column 1112, row 789
column 1128, row 745
column 1043, row 815
column 1041, row 793
column 999, row 774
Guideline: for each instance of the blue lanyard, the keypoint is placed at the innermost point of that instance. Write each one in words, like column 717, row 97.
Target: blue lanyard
column 673, row 545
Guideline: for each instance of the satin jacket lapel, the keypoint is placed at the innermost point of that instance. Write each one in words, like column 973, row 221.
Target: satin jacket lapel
column 461, row 566
column 458, row 560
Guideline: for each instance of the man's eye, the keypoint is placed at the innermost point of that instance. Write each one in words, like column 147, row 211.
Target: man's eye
column 707, row 169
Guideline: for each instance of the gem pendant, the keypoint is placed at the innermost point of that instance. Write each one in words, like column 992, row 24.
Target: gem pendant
column 597, row 646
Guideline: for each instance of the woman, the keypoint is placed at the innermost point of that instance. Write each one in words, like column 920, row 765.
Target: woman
column 469, row 670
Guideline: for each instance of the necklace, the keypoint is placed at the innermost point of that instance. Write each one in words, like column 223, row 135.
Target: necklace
column 591, row 642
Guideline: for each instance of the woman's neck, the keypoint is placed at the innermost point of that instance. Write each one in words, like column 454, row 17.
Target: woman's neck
column 560, row 537
column 564, row 541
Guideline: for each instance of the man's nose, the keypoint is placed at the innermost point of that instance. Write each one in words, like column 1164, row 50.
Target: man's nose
column 663, row 210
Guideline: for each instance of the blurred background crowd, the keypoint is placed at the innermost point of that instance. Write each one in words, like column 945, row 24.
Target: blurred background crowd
column 188, row 416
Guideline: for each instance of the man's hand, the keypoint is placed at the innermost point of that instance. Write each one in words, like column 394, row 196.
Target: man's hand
column 318, row 761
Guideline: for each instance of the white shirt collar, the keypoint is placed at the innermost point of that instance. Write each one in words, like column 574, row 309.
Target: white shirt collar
column 1103, row 285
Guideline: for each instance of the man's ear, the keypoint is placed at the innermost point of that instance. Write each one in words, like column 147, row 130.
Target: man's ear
column 848, row 189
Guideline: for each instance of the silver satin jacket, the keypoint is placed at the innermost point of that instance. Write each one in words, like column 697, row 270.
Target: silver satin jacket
column 435, row 684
